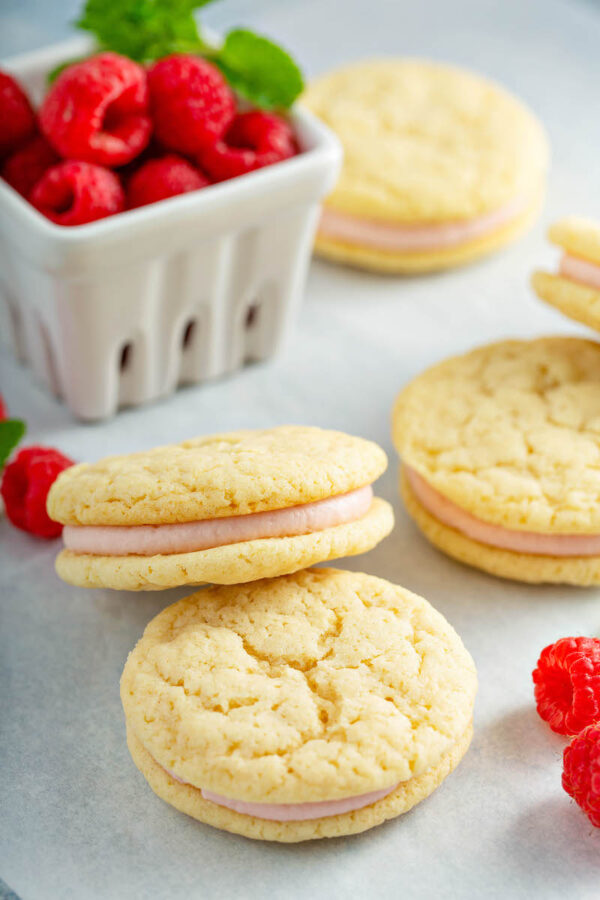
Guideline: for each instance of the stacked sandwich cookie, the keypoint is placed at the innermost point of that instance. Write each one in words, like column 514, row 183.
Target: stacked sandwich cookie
column 575, row 288
column 285, row 703
column 226, row 509
column 501, row 458
column 441, row 166
column 312, row 705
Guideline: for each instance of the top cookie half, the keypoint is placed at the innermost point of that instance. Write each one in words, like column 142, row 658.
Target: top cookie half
column 510, row 433
column 217, row 476
column 426, row 142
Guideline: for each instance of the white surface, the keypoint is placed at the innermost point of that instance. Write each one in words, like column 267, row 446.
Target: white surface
column 175, row 283
column 78, row 819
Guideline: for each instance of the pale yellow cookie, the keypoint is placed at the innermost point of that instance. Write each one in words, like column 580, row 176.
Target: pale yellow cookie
column 575, row 288
column 120, row 513
column 505, row 443
column 426, row 145
column 581, row 571
column 309, row 688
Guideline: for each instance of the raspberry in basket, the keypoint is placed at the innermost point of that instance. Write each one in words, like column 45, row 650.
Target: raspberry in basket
column 73, row 193
column 97, row 111
column 190, row 103
column 17, row 119
column 567, row 684
column 581, row 771
column 24, row 168
column 158, row 179
column 25, row 485
column 255, row 139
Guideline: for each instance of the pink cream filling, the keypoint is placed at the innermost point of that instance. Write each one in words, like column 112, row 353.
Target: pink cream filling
column 292, row 812
column 450, row 514
column 187, row 537
column 580, row 270
column 412, row 238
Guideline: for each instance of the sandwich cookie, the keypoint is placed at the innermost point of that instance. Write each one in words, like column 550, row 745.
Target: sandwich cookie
column 226, row 508
column 312, row 705
column 575, row 288
column 501, row 458
column 440, row 167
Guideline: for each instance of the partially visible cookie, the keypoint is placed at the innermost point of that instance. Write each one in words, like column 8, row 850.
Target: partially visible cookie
column 226, row 508
column 313, row 705
column 575, row 289
column 501, row 458
column 441, row 166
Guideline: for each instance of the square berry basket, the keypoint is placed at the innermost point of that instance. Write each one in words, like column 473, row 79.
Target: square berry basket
column 123, row 310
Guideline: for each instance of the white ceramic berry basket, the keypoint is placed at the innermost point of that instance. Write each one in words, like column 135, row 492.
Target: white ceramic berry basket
column 122, row 311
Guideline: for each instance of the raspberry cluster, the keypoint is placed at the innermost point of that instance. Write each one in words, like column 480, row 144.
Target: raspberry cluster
column 567, row 692
column 112, row 135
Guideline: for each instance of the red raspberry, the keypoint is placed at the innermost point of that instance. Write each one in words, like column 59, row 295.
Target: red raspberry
column 73, row 193
column 255, row 139
column 17, row 119
column 190, row 103
column 97, row 111
column 3, row 411
column 24, row 168
column 581, row 771
column 25, row 485
column 158, row 179
column 567, row 684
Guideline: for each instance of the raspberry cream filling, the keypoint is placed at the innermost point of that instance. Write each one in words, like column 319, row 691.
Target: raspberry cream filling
column 292, row 812
column 450, row 514
column 413, row 238
column 188, row 537
column 580, row 270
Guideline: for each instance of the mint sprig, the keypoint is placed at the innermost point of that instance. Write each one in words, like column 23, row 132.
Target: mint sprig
column 259, row 70
column 11, row 432
column 145, row 30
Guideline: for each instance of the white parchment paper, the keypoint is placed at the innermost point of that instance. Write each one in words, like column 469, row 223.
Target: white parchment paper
column 78, row 821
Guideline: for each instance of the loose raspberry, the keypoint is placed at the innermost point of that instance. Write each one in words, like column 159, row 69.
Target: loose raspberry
column 24, row 168
column 158, row 179
column 73, row 193
column 581, row 771
column 567, row 684
column 255, row 139
column 17, row 119
column 25, row 485
column 3, row 412
column 190, row 103
column 97, row 111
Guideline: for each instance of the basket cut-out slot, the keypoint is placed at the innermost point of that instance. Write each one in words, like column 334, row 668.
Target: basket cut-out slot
column 188, row 337
column 126, row 357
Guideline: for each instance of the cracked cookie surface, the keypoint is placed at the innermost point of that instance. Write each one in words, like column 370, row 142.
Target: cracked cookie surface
column 231, row 474
column 427, row 142
column 315, row 686
column 510, row 432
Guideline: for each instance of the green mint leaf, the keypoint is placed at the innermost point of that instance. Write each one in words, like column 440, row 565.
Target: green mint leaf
column 56, row 71
column 11, row 432
column 144, row 30
column 259, row 70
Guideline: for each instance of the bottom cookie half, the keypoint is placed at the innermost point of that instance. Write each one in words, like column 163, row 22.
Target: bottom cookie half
column 577, row 301
column 424, row 261
column 582, row 571
column 232, row 563
column 189, row 800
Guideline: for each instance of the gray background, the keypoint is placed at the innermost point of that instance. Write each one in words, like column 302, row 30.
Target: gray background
column 78, row 820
